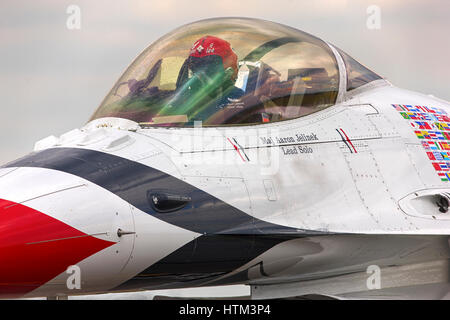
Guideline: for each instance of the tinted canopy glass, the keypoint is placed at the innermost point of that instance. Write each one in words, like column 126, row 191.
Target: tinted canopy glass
column 225, row 72
column 357, row 74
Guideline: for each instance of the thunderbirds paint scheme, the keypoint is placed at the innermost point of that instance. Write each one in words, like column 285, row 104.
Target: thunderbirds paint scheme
column 236, row 151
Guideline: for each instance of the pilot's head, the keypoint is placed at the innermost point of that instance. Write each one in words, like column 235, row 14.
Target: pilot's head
column 213, row 61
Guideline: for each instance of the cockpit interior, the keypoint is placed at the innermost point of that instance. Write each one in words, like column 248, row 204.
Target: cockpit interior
column 232, row 71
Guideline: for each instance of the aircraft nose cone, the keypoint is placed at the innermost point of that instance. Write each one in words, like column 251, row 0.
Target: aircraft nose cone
column 34, row 248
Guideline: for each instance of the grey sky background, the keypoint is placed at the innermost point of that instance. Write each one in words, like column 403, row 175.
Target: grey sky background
column 53, row 78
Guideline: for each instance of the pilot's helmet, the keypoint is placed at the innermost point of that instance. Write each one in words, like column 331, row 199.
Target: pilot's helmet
column 213, row 57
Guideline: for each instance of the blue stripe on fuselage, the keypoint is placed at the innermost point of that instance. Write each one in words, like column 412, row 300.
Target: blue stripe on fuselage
column 131, row 181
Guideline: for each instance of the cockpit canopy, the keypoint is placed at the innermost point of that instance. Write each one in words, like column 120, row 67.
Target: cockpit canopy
column 230, row 71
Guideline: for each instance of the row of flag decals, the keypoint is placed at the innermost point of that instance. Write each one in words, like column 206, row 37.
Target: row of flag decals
column 433, row 135
column 432, row 126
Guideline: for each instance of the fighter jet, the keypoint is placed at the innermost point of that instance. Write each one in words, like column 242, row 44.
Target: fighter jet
column 237, row 151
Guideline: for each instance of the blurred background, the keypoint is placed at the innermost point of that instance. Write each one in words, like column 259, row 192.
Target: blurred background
column 54, row 72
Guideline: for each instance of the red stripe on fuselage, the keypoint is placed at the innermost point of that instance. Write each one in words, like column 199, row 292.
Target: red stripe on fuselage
column 348, row 140
column 35, row 248
column 236, row 148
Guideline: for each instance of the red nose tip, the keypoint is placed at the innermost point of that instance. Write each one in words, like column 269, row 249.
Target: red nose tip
column 35, row 248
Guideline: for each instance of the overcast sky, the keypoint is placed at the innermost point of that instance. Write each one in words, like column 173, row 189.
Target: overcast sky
column 53, row 78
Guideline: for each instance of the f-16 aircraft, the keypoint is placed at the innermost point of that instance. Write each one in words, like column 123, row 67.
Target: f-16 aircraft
column 237, row 151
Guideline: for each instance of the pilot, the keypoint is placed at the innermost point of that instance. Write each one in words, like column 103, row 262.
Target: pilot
column 213, row 62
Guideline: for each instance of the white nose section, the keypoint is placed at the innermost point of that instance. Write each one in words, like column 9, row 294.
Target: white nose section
column 81, row 205
column 24, row 184
column 123, row 230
